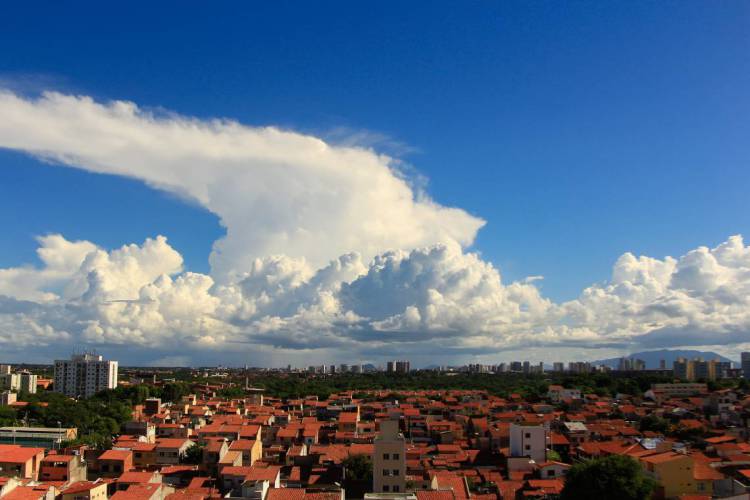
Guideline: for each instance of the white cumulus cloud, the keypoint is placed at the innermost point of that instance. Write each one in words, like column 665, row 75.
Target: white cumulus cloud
column 326, row 248
column 276, row 192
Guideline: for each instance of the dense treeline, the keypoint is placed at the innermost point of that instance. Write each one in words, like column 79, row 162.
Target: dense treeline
column 530, row 387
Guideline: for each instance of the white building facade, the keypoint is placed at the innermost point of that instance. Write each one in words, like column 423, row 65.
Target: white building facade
column 84, row 375
column 528, row 441
column 22, row 381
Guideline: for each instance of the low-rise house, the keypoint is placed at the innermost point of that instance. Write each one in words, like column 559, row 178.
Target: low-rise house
column 252, row 450
column 141, row 428
column 128, row 479
column 213, row 452
column 172, row 431
column 85, row 490
column 233, row 479
column 558, row 393
column 33, row 491
column 17, row 461
column 144, row 455
column 64, row 468
column 171, row 450
column 576, row 432
column 553, row 469
column 674, row 473
column 112, row 463
column 149, row 491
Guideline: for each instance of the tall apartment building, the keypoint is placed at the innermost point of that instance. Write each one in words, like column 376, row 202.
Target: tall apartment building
column 745, row 358
column 389, row 459
column 683, row 369
column 26, row 382
column 403, row 366
column 631, row 364
column 398, row 367
column 579, row 367
column 697, row 369
column 84, row 375
column 22, row 381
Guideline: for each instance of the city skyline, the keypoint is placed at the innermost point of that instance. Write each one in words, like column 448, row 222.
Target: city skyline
column 550, row 179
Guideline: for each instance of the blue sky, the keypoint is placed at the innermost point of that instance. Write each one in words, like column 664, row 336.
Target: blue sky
column 577, row 130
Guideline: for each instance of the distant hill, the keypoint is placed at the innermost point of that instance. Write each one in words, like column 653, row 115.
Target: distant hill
column 670, row 356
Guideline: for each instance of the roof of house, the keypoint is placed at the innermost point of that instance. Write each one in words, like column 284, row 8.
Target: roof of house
column 26, row 493
column 81, row 486
column 136, row 477
column 116, row 455
column 12, row 453
column 137, row 492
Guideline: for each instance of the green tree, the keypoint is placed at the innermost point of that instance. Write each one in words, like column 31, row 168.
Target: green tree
column 173, row 392
column 8, row 416
column 743, row 385
column 357, row 475
column 234, row 392
column 193, row 455
column 616, row 477
column 653, row 423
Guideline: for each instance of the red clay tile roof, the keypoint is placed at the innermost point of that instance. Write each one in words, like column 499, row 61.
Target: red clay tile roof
column 81, row 486
column 135, row 477
column 12, row 453
column 137, row 492
column 116, row 455
column 436, row 495
column 26, row 493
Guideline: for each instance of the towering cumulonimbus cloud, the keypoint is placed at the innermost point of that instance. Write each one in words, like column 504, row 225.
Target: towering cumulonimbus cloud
column 276, row 192
column 326, row 248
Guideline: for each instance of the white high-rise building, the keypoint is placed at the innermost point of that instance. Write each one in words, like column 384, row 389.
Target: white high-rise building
column 84, row 375
column 22, row 381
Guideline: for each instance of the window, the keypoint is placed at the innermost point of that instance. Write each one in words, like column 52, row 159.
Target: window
column 550, row 473
column 386, row 488
column 527, row 447
column 396, row 488
column 395, row 456
column 385, row 472
column 395, row 472
column 386, row 456
column 528, row 435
